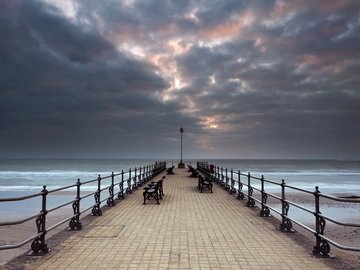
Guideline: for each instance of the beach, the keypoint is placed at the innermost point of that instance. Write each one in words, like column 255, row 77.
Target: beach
column 15, row 234
column 18, row 233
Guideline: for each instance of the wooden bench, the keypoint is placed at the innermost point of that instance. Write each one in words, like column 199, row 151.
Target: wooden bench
column 194, row 172
column 154, row 190
column 170, row 170
column 204, row 183
column 189, row 168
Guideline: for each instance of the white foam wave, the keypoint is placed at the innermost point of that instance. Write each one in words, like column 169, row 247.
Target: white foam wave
column 13, row 174
column 306, row 173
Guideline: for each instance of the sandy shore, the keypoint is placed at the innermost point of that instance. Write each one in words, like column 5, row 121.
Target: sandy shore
column 349, row 236
column 340, row 211
column 17, row 233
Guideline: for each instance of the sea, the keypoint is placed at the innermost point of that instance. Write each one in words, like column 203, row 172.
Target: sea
column 332, row 176
column 19, row 177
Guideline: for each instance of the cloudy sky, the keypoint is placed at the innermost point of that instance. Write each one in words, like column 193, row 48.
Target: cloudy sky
column 117, row 78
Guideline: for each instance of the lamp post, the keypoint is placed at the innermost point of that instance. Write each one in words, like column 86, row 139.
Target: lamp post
column 181, row 164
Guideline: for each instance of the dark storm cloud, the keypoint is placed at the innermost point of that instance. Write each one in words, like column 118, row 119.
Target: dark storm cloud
column 214, row 12
column 245, row 78
column 61, row 84
column 296, row 90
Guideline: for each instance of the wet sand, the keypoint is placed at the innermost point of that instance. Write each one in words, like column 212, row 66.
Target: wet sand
column 15, row 234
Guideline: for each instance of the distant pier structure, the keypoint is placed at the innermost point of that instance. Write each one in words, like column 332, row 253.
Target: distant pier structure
column 181, row 164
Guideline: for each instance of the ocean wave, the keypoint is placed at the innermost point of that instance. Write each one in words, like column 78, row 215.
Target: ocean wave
column 34, row 189
column 52, row 173
column 304, row 173
column 324, row 187
column 59, row 178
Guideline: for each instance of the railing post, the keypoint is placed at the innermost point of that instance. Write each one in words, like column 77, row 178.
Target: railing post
column 128, row 189
column 251, row 201
column 286, row 225
column 227, row 186
column 96, row 211
column 143, row 175
column 240, row 194
column 322, row 247
column 110, row 201
column 121, row 187
column 222, row 177
column 135, row 180
column 151, row 172
column 74, row 223
column 265, row 212
column 38, row 246
column 140, row 178
column 232, row 190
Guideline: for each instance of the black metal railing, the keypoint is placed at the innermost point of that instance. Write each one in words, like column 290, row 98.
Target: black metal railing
column 123, row 183
column 232, row 182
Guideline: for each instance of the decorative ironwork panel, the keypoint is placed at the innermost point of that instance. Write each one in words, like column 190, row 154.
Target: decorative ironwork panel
column 286, row 225
column 323, row 249
column 265, row 211
column 96, row 211
column 241, row 195
column 110, row 201
column 286, row 208
column 251, row 201
column 74, row 223
column 128, row 189
column 38, row 246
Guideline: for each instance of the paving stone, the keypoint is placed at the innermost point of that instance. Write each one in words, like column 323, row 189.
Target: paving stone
column 188, row 230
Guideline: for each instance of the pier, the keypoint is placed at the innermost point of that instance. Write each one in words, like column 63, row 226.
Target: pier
column 187, row 230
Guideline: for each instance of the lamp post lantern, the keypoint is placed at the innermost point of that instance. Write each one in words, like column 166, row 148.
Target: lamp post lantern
column 181, row 164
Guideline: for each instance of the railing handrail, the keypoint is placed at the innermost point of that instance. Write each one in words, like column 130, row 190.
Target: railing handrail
column 322, row 248
column 135, row 178
column 20, row 198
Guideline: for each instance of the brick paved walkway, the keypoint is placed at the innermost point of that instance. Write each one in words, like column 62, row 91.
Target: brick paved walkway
column 188, row 230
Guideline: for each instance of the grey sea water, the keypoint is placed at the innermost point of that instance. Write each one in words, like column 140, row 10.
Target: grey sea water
column 20, row 177
column 30, row 175
column 332, row 176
